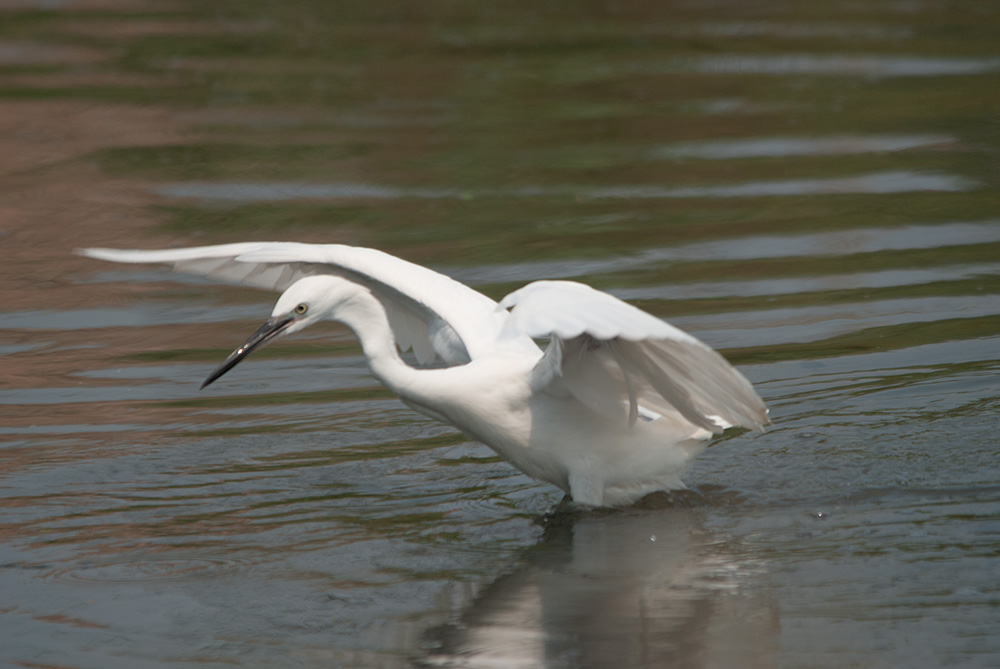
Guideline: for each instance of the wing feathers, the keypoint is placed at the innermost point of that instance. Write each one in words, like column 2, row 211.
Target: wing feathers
column 429, row 312
column 222, row 263
column 620, row 360
column 612, row 356
column 568, row 309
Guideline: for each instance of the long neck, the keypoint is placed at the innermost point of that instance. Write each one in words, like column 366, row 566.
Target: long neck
column 366, row 316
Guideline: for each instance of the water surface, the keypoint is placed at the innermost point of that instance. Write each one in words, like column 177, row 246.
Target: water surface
column 812, row 190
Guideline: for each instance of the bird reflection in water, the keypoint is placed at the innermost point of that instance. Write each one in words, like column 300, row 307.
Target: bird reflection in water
column 644, row 587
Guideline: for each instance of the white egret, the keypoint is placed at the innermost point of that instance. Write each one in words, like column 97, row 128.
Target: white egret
column 614, row 408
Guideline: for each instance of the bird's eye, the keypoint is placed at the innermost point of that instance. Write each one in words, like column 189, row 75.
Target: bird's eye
column 302, row 308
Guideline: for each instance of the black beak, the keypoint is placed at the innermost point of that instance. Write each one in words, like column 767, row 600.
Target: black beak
column 267, row 332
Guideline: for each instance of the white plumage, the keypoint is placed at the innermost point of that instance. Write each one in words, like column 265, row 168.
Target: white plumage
column 614, row 408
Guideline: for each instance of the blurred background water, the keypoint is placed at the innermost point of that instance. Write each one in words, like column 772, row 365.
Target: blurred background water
column 811, row 188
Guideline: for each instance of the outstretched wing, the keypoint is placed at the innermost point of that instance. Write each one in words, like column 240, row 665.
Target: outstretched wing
column 429, row 312
column 624, row 362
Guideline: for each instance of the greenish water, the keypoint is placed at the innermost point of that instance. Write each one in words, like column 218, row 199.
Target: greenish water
column 810, row 188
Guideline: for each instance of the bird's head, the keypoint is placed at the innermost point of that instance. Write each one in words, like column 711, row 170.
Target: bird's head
column 308, row 300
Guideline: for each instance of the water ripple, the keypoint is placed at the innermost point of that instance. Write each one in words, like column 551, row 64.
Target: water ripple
column 815, row 323
column 837, row 65
column 874, row 183
column 827, row 243
column 148, row 569
column 806, row 284
column 775, row 147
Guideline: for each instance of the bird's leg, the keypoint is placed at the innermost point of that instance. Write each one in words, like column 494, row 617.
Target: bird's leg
column 586, row 488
